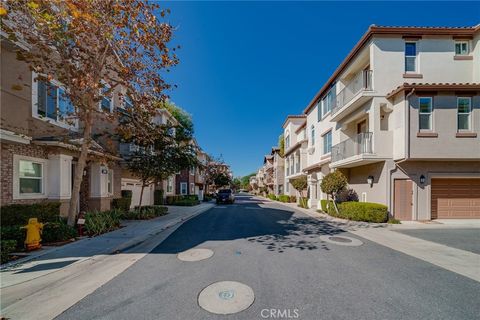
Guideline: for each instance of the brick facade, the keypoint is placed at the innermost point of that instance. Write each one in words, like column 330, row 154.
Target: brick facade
column 184, row 176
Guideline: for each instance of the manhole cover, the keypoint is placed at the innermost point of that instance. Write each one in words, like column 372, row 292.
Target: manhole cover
column 195, row 254
column 226, row 297
column 341, row 240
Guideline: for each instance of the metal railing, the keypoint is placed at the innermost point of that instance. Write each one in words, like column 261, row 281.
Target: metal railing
column 361, row 82
column 361, row 144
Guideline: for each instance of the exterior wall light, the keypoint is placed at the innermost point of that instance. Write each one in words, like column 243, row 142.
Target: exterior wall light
column 370, row 181
column 422, row 179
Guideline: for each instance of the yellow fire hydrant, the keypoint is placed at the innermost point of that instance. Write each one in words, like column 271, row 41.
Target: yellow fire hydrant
column 34, row 229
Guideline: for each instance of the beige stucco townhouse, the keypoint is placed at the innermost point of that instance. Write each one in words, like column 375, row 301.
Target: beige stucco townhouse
column 400, row 117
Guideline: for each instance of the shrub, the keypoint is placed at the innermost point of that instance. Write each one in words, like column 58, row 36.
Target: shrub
column 58, row 231
column 293, row 199
column 271, row 196
column 393, row 221
column 18, row 214
column 283, row 198
column 13, row 233
column 361, row 211
column 324, row 204
column 122, row 204
column 7, row 247
column 303, row 202
column 145, row 213
column 346, row 195
column 100, row 222
column 185, row 200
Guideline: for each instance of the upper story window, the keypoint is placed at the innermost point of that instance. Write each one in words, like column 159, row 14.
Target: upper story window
column 30, row 176
column 287, row 140
column 410, row 57
column 110, row 181
column 192, row 171
column 51, row 102
column 425, row 113
column 327, row 142
column 328, row 102
column 312, row 135
column 464, row 111
column 106, row 104
column 461, row 48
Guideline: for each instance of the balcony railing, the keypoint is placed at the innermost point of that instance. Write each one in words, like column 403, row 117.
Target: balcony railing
column 361, row 82
column 361, row 144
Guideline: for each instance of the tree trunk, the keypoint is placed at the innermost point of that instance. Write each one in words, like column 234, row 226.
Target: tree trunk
column 141, row 195
column 78, row 178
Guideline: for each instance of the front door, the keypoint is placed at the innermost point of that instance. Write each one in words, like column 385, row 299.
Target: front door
column 362, row 126
column 403, row 199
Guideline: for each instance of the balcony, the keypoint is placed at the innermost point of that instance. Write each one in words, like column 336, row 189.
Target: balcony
column 356, row 92
column 356, row 151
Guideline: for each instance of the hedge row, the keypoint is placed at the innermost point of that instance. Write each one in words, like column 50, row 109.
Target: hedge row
column 145, row 213
column 282, row 198
column 357, row 211
column 18, row 214
column 182, row 200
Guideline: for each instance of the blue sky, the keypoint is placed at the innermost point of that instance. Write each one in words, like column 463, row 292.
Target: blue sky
column 244, row 66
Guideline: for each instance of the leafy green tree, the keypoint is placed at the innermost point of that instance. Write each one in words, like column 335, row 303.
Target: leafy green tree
column 245, row 180
column 300, row 184
column 222, row 180
column 332, row 184
column 281, row 145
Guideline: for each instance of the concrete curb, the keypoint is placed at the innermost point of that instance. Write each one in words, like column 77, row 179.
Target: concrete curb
column 140, row 239
column 120, row 248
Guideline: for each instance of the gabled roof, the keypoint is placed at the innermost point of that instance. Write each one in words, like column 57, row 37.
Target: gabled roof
column 434, row 87
column 386, row 30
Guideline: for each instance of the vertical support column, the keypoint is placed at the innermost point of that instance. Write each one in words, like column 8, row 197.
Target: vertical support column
column 59, row 176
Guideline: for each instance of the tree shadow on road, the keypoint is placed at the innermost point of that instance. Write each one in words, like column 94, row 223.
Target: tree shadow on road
column 276, row 229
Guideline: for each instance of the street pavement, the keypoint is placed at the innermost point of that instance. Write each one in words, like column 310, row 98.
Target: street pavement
column 277, row 252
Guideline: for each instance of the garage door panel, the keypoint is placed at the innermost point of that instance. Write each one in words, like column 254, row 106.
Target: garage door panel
column 455, row 198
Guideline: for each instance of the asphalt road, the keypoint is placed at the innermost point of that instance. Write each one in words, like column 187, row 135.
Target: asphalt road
column 278, row 254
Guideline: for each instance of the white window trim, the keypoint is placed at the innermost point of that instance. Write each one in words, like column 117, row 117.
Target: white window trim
column 431, row 115
column 181, row 188
column 35, row 105
column 470, row 121
column 417, row 65
column 170, row 185
column 324, row 136
column 460, row 42
column 192, row 188
column 312, row 135
column 16, row 178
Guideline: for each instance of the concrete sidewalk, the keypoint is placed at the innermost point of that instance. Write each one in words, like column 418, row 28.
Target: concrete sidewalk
column 132, row 234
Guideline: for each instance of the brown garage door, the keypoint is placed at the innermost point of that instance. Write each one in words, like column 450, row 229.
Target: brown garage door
column 455, row 198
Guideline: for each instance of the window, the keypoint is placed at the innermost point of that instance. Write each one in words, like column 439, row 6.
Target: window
column 297, row 162
column 107, row 101
column 287, row 169
column 328, row 102
column 192, row 188
column 287, row 186
column 192, row 171
column 287, row 140
column 110, row 181
column 312, row 135
column 51, row 102
column 464, row 111
column 170, row 184
column 183, row 188
column 327, row 142
column 291, row 164
column 425, row 113
column 410, row 56
column 461, row 48
column 30, row 177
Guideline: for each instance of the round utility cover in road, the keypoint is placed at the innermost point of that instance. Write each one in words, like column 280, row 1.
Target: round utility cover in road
column 226, row 297
column 341, row 240
column 195, row 254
